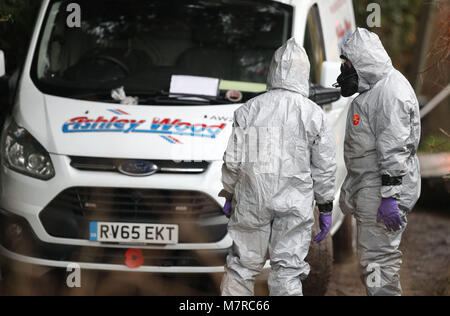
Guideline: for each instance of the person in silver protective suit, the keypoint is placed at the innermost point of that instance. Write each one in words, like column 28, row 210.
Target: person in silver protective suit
column 382, row 137
column 280, row 158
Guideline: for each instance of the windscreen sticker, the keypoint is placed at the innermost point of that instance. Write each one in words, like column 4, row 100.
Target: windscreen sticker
column 167, row 126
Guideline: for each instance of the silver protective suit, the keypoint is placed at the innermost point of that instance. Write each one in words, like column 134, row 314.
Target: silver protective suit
column 383, row 133
column 280, row 158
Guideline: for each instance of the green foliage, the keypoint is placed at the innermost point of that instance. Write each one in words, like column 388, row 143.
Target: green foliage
column 16, row 23
column 399, row 26
column 435, row 144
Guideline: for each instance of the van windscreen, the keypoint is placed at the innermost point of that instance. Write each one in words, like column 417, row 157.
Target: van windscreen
column 139, row 44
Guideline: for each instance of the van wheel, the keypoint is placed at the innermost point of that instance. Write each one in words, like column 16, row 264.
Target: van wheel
column 343, row 240
column 3, row 290
column 320, row 258
column 20, row 282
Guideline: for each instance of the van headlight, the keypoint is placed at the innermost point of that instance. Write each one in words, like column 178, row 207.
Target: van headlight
column 23, row 153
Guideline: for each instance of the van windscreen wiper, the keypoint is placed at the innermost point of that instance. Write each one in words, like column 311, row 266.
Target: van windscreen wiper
column 105, row 95
column 155, row 98
column 167, row 98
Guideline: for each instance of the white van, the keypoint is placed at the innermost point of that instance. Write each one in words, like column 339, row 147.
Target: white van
column 85, row 177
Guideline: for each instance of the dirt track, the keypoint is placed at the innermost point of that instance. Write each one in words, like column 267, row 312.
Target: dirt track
column 426, row 263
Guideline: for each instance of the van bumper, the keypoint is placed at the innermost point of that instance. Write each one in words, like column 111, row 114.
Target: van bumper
column 20, row 246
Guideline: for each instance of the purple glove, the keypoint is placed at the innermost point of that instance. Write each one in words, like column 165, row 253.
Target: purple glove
column 227, row 209
column 325, row 222
column 389, row 213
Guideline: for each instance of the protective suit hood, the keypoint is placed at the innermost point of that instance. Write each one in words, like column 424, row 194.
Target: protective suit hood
column 290, row 69
column 367, row 54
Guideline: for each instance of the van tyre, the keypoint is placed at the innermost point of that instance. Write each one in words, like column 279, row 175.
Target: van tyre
column 2, row 281
column 320, row 258
column 343, row 244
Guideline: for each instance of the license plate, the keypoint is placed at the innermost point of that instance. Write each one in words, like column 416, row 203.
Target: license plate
column 133, row 233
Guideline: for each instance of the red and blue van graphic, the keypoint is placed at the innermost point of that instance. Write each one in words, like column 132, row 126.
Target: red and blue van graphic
column 167, row 127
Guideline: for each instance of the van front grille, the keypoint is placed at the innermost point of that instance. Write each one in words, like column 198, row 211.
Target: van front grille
column 112, row 165
column 69, row 214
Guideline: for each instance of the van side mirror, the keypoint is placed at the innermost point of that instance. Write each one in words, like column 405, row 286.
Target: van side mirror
column 4, row 81
column 330, row 71
column 329, row 74
column 2, row 64
column 322, row 95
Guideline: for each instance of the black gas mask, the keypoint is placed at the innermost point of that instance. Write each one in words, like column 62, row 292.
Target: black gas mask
column 348, row 81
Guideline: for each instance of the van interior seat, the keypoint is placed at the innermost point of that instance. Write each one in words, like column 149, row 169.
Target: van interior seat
column 75, row 43
column 207, row 62
column 246, row 60
column 242, row 65
column 164, row 41
column 207, row 57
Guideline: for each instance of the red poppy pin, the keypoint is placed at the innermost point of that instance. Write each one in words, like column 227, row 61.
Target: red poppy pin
column 134, row 258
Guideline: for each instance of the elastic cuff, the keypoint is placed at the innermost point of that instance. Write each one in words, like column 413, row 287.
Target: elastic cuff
column 325, row 208
column 387, row 181
column 393, row 191
column 227, row 195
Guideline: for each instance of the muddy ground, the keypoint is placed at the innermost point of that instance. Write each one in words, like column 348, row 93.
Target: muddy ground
column 426, row 269
column 426, row 263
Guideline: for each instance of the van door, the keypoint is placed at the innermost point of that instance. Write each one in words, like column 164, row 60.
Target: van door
column 314, row 43
column 323, row 70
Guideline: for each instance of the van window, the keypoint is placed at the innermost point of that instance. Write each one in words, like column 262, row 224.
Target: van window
column 140, row 44
column 314, row 44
